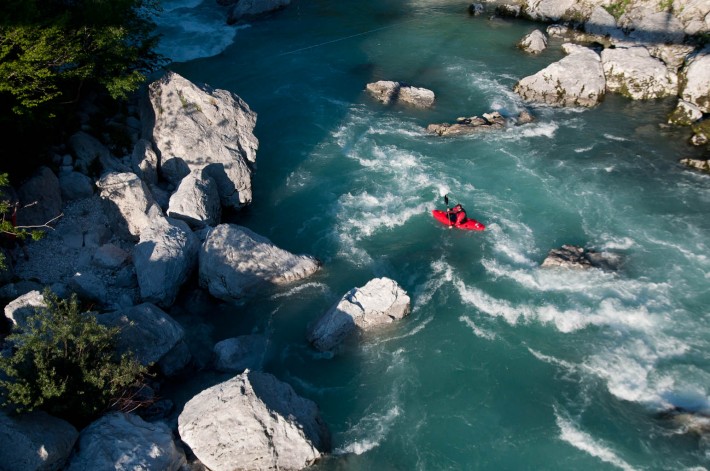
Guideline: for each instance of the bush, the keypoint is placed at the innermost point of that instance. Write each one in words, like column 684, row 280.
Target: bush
column 65, row 363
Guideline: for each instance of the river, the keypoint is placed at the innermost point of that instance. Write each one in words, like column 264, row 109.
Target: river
column 501, row 364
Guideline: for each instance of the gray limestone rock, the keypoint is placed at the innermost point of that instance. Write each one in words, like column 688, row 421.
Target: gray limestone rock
column 534, row 42
column 75, row 185
column 89, row 286
column 697, row 164
column 572, row 256
column 126, row 201
column 144, row 161
column 235, row 261
column 198, row 127
column 253, row 422
column 23, row 307
column 389, row 92
column 91, row 153
column 164, row 258
column 150, row 333
column 685, row 113
column 35, row 441
column 562, row 84
column 635, row 74
column 697, row 80
column 40, row 199
column 125, row 442
column 196, row 201
column 380, row 301
column 110, row 256
column 240, row 353
column 472, row 125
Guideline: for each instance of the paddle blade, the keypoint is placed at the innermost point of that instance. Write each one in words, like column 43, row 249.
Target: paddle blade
column 446, row 200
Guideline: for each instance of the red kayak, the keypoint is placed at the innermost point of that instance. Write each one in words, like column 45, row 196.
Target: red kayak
column 468, row 224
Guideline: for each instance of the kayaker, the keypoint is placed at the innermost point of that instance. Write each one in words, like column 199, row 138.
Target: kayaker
column 457, row 214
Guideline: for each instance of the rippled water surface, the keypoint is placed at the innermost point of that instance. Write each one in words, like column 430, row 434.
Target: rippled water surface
column 501, row 364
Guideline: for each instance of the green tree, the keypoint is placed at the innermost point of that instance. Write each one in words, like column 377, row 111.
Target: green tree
column 65, row 363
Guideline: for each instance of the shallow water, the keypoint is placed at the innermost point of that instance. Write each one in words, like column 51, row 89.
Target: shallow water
column 501, row 364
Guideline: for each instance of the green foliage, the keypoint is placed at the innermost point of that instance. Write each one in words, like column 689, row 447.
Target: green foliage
column 665, row 5
column 65, row 363
column 50, row 48
column 617, row 8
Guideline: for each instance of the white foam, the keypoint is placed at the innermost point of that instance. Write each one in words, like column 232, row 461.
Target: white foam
column 538, row 130
column 484, row 334
column 584, row 149
column 310, row 287
column 612, row 137
column 553, row 361
column 375, row 427
column 583, row 441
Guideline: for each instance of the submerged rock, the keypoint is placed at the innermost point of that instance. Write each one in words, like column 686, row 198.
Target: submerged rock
column 394, row 92
column 697, row 164
column 380, row 301
column 253, row 422
column 572, row 256
column 472, row 125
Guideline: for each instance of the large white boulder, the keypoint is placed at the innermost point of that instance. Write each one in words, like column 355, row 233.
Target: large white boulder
column 126, row 200
column 151, row 334
column 164, row 258
column 635, row 74
column 35, row 442
column 549, row 10
column 200, row 127
column 697, row 80
column 125, row 442
column 575, row 80
column 234, row 261
column 253, row 422
column 389, row 92
column 381, row 301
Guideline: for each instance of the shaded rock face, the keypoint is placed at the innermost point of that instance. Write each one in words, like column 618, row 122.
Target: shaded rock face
column 685, row 114
column 697, row 80
column 126, row 442
column 562, row 84
column 35, row 441
column 126, row 200
column 240, row 353
column 534, row 42
column 149, row 333
column 40, row 199
column 253, row 422
column 235, row 261
column 635, row 74
column 389, row 92
column 380, row 301
column 697, row 164
column 164, row 258
column 75, row 185
column 472, row 125
column 572, row 256
column 196, row 201
column 202, row 128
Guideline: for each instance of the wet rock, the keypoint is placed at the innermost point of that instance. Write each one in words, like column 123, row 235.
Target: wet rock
column 476, row 9
column 381, row 301
column 572, row 256
column 253, row 421
column 685, row 114
column 240, row 353
column 389, row 92
column 472, row 125
column 697, row 164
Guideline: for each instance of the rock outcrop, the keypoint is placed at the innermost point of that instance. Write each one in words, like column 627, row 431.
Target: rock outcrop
column 562, row 84
column 235, row 261
column 127, row 200
column 696, row 80
column 203, row 128
column 35, row 441
column 635, row 74
column 196, row 201
column 253, row 422
column 472, row 125
column 380, row 301
column 126, row 442
column 389, row 92
column 534, row 42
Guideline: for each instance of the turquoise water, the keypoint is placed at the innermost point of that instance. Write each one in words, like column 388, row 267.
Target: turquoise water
column 501, row 364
